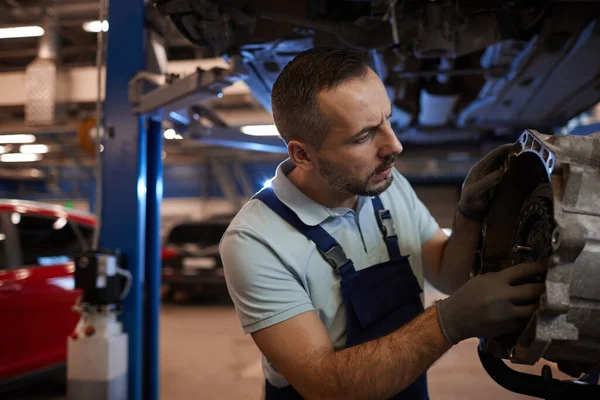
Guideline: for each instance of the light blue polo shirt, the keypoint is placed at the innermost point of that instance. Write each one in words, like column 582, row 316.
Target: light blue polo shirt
column 273, row 272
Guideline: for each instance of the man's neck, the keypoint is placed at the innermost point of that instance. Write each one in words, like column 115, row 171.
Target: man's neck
column 316, row 189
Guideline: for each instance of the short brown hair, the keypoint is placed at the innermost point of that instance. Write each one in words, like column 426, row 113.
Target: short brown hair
column 294, row 97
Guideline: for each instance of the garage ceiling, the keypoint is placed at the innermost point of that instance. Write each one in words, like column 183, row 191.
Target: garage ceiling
column 77, row 50
column 77, row 53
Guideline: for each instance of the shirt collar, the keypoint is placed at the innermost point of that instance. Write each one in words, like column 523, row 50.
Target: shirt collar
column 309, row 211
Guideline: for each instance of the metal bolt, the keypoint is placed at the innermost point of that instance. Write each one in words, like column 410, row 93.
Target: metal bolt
column 522, row 249
column 555, row 237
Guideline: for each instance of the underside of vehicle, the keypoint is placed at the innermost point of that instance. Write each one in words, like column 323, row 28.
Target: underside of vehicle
column 469, row 71
column 456, row 70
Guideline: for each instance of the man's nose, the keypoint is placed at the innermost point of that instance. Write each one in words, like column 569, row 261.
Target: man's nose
column 390, row 144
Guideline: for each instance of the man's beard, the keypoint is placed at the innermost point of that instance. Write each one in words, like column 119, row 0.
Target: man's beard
column 335, row 178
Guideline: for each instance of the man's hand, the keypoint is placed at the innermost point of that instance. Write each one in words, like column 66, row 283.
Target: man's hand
column 492, row 304
column 482, row 178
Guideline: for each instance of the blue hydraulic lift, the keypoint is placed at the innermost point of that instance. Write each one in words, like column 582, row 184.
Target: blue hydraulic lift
column 134, row 108
column 131, row 184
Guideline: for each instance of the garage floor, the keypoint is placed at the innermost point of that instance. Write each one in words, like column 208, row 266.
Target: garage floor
column 204, row 354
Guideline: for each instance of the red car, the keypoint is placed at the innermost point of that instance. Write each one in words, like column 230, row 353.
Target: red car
column 37, row 245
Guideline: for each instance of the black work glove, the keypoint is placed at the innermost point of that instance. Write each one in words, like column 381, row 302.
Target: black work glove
column 482, row 178
column 492, row 304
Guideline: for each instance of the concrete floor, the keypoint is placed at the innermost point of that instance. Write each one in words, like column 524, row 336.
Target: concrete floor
column 204, row 354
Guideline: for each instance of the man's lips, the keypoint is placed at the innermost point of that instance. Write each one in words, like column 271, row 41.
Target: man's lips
column 383, row 174
column 383, row 169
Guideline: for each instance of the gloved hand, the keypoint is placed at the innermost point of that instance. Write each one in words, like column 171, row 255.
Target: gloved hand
column 482, row 178
column 492, row 304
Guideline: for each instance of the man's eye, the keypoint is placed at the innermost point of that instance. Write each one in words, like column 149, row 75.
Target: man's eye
column 364, row 138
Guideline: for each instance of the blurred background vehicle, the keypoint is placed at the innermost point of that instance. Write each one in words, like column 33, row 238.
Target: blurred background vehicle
column 191, row 264
column 37, row 245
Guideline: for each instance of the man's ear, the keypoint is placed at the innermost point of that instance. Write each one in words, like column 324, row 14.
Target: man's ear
column 301, row 154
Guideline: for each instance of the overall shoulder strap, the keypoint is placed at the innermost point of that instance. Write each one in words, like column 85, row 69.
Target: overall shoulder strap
column 329, row 248
column 386, row 226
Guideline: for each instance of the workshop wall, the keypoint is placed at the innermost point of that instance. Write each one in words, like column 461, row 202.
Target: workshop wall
column 191, row 192
column 180, row 181
column 441, row 202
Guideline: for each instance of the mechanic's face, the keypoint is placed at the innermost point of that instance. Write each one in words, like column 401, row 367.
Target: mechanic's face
column 359, row 151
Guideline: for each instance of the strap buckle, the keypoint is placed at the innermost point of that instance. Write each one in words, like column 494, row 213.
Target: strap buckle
column 386, row 224
column 336, row 256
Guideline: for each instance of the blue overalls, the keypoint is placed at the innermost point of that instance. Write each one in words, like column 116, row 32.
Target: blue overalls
column 378, row 299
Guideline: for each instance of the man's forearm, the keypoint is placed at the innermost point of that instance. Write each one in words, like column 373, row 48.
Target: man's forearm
column 381, row 368
column 458, row 254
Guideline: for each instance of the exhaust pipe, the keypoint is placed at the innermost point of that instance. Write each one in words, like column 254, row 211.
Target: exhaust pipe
column 46, row 82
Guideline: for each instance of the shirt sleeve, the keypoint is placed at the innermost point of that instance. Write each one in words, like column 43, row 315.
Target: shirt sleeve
column 263, row 289
column 427, row 225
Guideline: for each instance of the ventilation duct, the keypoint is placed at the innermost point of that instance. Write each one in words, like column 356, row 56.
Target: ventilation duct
column 46, row 82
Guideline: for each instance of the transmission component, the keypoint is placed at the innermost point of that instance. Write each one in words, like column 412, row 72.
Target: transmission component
column 547, row 208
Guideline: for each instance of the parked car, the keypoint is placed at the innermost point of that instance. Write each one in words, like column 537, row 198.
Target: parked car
column 37, row 245
column 190, row 258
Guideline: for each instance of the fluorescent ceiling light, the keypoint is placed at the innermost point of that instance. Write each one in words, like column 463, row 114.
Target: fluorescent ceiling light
column 260, row 130
column 19, row 157
column 5, row 139
column 170, row 134
column 33, row 148
column 95, row 26
column 21, row 32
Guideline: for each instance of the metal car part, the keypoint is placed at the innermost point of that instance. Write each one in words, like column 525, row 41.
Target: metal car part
column 547, row 208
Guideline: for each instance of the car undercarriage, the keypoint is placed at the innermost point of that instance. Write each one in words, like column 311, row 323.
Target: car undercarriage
column 455, row 70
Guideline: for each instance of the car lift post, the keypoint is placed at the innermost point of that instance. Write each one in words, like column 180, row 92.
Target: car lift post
column 135, row 105
column 130, row 203
column 154, row 196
